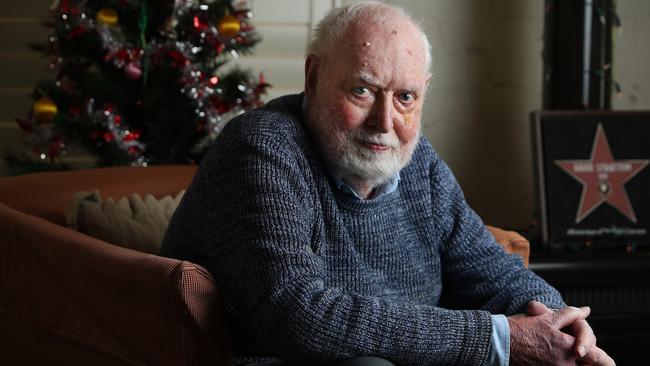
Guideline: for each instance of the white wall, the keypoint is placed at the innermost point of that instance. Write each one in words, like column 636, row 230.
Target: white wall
column 488, row 70
column 632, row 55
column 488, row 74
column 284, row 26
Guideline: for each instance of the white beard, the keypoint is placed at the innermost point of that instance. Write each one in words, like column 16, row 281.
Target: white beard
column 353, row 162
column 374, row 167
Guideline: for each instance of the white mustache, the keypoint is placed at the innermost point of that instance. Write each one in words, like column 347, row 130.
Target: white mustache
column 376, row 139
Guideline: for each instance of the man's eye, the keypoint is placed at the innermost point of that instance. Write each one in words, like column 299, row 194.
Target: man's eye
column 361, row 91
column 406, row 97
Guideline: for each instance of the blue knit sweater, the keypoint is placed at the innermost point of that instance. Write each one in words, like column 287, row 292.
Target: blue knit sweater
column 312, row 275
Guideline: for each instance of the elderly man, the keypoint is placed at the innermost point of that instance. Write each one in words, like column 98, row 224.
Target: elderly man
column 335, row 231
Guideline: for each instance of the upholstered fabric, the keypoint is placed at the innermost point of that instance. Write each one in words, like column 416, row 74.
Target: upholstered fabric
column 512, row 242
column 100, row 300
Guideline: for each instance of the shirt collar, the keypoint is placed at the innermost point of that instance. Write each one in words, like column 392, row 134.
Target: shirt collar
column 383, row 189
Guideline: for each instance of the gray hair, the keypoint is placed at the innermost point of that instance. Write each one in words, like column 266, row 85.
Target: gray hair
column 331, row 29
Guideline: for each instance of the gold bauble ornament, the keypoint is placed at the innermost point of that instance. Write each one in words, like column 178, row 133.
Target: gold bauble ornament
column 228, row 26
column 44, row 110
column 107, row 16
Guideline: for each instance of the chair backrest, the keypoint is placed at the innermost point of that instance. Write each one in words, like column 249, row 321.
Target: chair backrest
column 47, row 194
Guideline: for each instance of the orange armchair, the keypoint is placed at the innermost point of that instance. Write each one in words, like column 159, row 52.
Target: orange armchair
column 67, row 298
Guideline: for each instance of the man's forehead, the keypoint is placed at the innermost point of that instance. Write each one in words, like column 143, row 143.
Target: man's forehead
column 381, row 63
column 376, row 42
column 399, row 29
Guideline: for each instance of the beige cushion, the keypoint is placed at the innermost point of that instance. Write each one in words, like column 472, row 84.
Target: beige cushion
column 131, row 222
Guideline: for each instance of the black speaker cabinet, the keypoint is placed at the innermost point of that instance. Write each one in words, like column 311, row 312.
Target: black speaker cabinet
column 593, row 177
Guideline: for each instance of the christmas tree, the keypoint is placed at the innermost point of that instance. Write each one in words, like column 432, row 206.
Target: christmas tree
column 138, row 82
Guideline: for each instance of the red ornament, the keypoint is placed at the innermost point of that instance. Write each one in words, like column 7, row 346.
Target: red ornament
column 132, row 136
column 74, row 111
column 134, row 150
column 56, row 145
column 77, row 32
column 246, row 27
column 64, row 7
column 117, row 120
column 199, row 23
column 133, row 70
column 107, row 136
column 260, row 89
column 123, row 55
column 221, row 106
column 178, row 59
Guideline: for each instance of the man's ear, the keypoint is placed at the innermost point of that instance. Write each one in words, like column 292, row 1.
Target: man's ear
column 427, row 83
column 312, row 66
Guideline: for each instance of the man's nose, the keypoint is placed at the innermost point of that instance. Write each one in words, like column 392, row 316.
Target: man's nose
column 381, row 116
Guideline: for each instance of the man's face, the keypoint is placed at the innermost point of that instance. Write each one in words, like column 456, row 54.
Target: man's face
column 365, row 101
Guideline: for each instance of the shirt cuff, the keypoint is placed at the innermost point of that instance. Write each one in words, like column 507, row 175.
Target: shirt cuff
column 499, row 354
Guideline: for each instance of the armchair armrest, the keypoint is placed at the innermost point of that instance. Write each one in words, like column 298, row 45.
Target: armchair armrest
column 512, row 242
column 92, row 302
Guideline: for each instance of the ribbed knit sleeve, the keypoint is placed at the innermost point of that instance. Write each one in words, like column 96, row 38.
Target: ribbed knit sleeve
column 477, row 273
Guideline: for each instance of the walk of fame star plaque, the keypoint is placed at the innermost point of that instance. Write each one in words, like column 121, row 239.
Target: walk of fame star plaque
column 593, row 177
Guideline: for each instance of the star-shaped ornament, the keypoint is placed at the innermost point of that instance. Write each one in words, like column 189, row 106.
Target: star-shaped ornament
column 603, row 178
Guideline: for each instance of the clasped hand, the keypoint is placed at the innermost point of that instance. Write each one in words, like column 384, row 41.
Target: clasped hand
column 546, row 337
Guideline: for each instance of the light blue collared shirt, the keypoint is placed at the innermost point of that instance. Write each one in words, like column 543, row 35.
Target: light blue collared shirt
column 499, row 354
column 387, row 187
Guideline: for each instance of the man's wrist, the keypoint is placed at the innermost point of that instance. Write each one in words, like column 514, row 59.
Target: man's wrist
column 499, row 353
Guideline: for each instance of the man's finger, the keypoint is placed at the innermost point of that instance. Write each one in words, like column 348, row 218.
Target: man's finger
column 597, row 357
column 568, row 315
column 536, row 308
column 585, row 338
